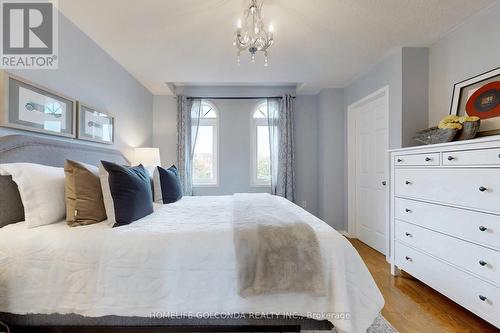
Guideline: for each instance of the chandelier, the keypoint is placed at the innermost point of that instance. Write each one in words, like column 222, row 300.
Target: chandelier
column 252, row 35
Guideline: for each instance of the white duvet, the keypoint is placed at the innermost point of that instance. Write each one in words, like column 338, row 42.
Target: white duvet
column 178, row 260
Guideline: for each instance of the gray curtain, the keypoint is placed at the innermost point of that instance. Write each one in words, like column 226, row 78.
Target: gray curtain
column 281, row 140
column 188, row 122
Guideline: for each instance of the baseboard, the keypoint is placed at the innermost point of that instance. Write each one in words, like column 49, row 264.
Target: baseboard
column 346, row 234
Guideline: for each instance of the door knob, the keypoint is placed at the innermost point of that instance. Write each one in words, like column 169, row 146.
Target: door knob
column 408, row 210
column 384, row 183
column 408, row 258
column 407, row 234
column 407, row 182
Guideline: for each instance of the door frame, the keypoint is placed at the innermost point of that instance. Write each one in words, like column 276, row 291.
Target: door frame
column 351, row 164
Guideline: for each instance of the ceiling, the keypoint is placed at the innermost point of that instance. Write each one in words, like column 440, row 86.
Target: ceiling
column 318, row 43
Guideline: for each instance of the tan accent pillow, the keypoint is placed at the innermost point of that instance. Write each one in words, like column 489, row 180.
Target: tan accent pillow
column 84, row 201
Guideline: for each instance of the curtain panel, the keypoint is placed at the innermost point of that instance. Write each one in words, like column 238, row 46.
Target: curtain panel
column 281, row 141
column 188, row 122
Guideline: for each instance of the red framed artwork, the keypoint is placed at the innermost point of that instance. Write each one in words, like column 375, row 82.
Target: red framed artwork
column 479, row 96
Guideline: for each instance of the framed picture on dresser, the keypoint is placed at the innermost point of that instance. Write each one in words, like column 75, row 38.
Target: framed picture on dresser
column 95, row 125
column 479, row 96
column 31, row 107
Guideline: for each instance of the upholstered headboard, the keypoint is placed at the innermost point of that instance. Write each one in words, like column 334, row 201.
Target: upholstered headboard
column 32, row 149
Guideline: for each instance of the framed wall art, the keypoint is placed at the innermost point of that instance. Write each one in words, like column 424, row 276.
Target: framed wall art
column 479, row 96
column 94, row 125
column 31, row 107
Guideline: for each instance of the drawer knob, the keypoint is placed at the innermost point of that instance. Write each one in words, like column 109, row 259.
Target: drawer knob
column 451, row 158
column 428, row 159
column 483, row 228
column 483, row 189
column 407, row 182
column 407, row 234
column 408, row 210
column 483, row 298
column 482, row 263
column 399, row 160
column 384, row 183
column 408, row 258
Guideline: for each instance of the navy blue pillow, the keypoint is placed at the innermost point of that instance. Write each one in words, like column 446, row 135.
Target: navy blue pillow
column 130, row 189
column 167, row 185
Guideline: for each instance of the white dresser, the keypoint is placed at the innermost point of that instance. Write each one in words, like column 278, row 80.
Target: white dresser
column 445, row 220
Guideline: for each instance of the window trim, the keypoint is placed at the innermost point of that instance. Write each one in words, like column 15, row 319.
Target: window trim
column 214, row 122
column 254, row 125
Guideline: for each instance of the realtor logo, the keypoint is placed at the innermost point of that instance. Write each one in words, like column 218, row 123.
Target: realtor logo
column 29, row 34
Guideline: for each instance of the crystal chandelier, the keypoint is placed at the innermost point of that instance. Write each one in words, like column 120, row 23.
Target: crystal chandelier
column 252, row 35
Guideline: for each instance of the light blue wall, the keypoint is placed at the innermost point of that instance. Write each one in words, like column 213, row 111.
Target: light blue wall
column 87, row 73
column 472, row 48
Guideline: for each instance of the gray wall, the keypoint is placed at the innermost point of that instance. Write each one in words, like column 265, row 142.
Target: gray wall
column 388, row 72
column 306, row 152
column 331, row 157
column 87, row 73
column 234, row 147
column 165, row 128
column 415, row 93
column 471, row 49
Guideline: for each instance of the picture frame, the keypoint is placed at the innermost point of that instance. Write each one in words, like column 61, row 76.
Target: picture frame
column 479, row 96
column 95, row 125
column 31, row 107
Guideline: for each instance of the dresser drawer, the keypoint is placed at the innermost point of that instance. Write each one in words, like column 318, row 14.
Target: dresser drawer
column 417, row 159
column 471, row 257
column 459, row 286
column 473, row 226
column 472, row 157
column 471, row 188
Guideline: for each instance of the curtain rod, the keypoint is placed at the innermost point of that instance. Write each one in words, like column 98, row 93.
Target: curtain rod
column 272, row 97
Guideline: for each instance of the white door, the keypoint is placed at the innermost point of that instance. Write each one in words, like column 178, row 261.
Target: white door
column 371, row 164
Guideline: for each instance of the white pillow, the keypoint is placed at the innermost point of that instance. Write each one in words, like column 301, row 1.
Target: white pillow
column 42, row 191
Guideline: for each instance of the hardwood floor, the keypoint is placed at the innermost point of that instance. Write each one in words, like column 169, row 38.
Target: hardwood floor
column 411, row 306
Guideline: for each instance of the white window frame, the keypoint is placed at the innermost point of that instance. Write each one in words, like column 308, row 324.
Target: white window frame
column 254, row 124
column 214, row 122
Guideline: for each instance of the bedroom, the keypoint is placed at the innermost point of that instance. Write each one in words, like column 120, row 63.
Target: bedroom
column 300, row 201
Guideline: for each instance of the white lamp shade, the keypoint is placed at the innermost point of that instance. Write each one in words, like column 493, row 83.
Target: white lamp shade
column 147, row 156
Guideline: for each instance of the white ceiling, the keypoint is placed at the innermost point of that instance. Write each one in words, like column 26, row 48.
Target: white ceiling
column 318, row 43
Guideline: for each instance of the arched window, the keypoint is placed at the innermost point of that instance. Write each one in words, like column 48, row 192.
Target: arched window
column 205, row 157
column 261, row 156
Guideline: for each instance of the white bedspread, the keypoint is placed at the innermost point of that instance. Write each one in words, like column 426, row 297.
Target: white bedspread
column 179, row 260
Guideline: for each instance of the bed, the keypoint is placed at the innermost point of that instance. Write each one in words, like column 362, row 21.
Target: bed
column 173, row 269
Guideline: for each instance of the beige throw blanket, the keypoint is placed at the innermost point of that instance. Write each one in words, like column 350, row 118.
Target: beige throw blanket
column 276, row 251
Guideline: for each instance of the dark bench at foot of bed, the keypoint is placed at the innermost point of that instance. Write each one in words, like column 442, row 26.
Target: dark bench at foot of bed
column 36, row 323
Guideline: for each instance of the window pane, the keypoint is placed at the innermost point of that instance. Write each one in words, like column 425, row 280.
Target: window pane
column 203, row 160
column 207, row 111
column 263, row 154
column 261, row 111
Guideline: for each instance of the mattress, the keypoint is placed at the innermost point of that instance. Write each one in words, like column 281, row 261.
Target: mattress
column 178, row 261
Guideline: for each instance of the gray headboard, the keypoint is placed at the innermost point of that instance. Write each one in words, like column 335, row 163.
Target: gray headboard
column 32, row 149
